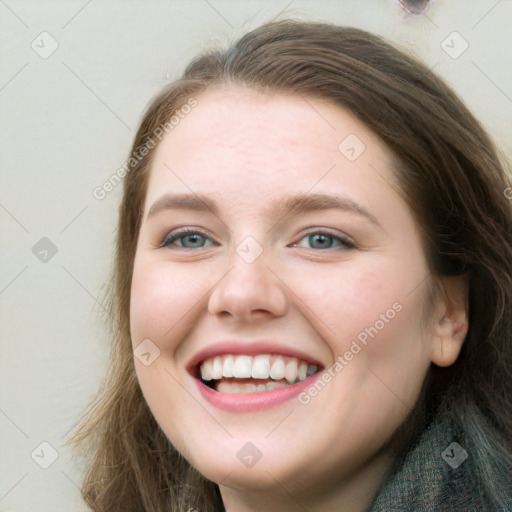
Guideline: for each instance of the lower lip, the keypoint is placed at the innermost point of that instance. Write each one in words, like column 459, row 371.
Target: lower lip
column 248, row 402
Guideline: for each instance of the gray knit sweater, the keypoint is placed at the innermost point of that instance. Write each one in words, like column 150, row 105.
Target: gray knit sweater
column 437, row 475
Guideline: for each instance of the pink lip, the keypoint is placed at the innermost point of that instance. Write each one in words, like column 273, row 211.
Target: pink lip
column 248, row 348
column 248, row 402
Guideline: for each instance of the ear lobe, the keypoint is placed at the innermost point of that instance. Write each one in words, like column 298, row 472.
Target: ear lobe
column 450, row 320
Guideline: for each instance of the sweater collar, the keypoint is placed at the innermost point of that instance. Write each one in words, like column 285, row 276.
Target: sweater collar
column 437, row 474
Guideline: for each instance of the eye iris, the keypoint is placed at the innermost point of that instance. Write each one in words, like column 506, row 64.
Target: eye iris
column 320, row 241
column 194, row 239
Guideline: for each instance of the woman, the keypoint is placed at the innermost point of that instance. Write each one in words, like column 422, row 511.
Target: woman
column 312, row 290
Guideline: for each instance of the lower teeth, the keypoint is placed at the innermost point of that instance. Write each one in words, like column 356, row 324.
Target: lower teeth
column 224, row 386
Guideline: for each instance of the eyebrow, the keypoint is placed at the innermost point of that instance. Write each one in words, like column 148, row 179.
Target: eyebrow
column 195, row 202
column 295, row 204
column 310, row 202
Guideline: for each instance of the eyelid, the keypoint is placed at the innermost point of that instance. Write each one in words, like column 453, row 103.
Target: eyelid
column 345, row 239
column 178, row 233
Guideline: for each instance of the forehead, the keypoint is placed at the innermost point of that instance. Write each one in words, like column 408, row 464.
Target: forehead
column 253, row 146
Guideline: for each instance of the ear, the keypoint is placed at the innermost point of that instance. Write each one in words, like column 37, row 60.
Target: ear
column 450, row 320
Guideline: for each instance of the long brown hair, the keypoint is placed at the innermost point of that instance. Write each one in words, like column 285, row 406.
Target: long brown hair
column 455, row 184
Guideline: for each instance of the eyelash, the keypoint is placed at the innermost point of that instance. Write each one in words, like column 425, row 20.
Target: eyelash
column 172, row 237
column 345, row 243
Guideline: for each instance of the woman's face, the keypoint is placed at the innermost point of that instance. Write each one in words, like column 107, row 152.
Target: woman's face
column 300, row 262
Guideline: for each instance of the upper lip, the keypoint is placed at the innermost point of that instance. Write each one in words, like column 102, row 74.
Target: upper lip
column 248, row 348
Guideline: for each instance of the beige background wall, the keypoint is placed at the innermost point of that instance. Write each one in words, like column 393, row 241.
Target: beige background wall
column 74, row 79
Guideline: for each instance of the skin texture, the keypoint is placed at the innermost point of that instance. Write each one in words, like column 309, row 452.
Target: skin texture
column 245, row 151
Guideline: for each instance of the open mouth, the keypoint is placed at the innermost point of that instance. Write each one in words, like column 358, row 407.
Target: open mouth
column 238, row 374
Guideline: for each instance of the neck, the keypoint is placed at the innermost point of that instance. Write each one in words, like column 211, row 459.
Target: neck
column 354, row 493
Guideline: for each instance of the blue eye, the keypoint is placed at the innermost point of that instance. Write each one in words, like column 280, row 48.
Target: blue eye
column 323, row 240
column 189, row 239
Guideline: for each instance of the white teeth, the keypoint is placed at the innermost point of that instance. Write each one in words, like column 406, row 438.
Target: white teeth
column 235, row 388
column 275, row 385
column 290, row 370
column 277, row 370
column 302, row 372
column 257, row 367
column 227, row 369
column 261, row 367
column 206, row 370
column 242, row 367
column 217, row 368
column 226, row 387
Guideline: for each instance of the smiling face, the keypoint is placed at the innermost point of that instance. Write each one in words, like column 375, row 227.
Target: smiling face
column 277, row 260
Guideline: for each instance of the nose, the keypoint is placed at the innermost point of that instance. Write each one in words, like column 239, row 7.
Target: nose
column 248, row 292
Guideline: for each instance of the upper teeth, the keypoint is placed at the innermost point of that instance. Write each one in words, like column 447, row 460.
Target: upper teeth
column 262, row 366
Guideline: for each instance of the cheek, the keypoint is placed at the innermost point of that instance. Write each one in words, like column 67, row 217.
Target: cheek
column 375, row 318
column 162, row 310
column 375, row 324
column 161, row 299
column 353, row 298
